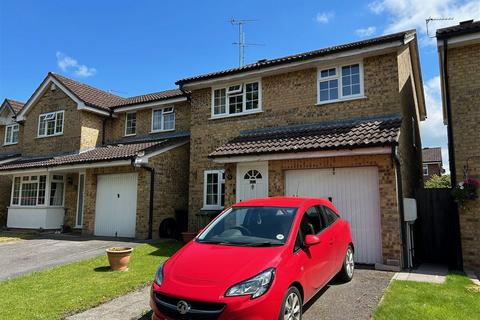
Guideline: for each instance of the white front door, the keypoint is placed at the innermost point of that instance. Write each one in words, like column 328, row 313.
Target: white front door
column 355, row 193
column 252, row 180
column 116, row 206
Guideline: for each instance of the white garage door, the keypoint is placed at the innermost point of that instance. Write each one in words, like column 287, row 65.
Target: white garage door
column 355, row 193
column 116, row 206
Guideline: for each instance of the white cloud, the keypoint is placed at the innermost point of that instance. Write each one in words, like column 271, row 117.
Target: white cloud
column 325, row 17
column 69, row 64
column 433, row 131
column 411, row 14
column 365, row 32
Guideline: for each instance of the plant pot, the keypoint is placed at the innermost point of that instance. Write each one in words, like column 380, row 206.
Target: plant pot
column 188, row 236
column 118, row 258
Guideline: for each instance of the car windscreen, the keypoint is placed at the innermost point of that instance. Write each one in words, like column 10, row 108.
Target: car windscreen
column 250, row 226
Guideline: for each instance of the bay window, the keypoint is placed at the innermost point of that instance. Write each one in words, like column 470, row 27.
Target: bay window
column 30, row 191
column 236, row 99
column 11, row 134
column 163, row 119
column 50, row 124
column 214, row 189
column 340, row 83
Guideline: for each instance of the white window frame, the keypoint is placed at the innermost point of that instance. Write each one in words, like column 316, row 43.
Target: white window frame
column 15, row 128
column 48, row 181
column 221, row 180
column 162, row 119
column 242, row 88
column 48, row 114
column 338, row 77
column 425, row 170
column 126, row 124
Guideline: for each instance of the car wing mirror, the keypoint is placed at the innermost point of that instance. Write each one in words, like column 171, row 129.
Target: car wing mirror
column 311, row 240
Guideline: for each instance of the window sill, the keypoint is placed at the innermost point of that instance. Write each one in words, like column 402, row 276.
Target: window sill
column 10, row 144
column 130, row 135
column 50, row 136
column 341, row 100
column 204, row 209
column 235, row 115
column 160, row 131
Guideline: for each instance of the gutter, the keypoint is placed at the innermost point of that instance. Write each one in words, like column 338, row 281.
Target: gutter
column 403, row 235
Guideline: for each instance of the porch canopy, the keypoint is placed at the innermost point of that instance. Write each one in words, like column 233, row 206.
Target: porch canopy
column 366, row 135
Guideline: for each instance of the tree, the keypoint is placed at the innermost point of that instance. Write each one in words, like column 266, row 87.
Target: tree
column 439, row 182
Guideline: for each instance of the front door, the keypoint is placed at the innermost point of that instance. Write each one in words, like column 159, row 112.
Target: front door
column 252, row 180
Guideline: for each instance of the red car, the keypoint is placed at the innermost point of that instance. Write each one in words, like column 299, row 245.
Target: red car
column 261, row 259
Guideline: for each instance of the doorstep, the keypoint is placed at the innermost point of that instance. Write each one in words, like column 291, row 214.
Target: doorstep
column 130, row 306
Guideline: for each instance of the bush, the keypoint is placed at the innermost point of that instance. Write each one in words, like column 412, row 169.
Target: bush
column 439, row 182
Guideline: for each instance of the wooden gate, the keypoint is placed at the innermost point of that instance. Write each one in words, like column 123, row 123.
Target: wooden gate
column 436, row 232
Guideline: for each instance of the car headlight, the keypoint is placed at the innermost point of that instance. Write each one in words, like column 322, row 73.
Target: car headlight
column 159, row 274
column 255, row 286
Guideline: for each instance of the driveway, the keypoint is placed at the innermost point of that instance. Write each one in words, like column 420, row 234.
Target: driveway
column 344, row 301
column 26, row 256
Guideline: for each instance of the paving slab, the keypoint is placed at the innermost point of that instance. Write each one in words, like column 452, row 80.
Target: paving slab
column 430, row 273
column 130, row 306
column 25, row 256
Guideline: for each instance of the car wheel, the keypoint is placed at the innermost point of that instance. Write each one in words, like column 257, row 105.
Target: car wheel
column 292, row 305
column 348, row 267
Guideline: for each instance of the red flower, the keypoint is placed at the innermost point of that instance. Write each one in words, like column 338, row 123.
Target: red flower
column 471, row 182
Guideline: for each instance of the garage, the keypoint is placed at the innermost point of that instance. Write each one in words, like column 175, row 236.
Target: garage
column 116, row 205
column 355, row 193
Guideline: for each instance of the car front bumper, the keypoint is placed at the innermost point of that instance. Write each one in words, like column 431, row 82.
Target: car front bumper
column 266, row 307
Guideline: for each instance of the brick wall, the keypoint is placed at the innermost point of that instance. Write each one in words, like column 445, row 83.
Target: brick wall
column 433, row 169
column 464, row 80
column 91, row 130
column 116, row 126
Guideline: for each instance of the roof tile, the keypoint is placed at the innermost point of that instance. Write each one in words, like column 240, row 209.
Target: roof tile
column 432, row 154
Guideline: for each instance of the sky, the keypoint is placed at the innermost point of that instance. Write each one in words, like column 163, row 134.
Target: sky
column 135, row 47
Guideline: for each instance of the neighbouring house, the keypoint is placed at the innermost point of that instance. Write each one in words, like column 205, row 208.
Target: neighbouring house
column 10, row 141
column 90, row 160
column 459, row 55
column 432, row 162
column 340, row 123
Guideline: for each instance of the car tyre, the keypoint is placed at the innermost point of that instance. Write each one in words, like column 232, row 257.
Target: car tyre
column 348, row 266
column 292, row 305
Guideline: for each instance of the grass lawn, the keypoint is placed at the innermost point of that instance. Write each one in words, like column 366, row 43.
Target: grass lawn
column 457, row 298
column 68, row 289
column 7, row 236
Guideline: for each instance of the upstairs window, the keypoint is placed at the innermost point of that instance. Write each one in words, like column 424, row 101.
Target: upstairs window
column 130, row 123
column 340, row 83
column 11, row 134
column 163, row 119
column 214, row 189
column 425, row 170
column 236, row 99
column 50, row 124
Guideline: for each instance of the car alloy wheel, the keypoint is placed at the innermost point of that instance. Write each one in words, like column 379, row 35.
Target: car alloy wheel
column 349, row 263
column 293, row 307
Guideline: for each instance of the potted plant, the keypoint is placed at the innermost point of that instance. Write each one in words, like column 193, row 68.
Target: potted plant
column 118, row 258
column 466, row 190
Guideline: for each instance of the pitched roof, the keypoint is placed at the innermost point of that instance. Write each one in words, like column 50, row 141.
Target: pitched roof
column 432, row 154
column 156, row 96
column 16, row 105
column 343, row 134
column 9, row 155
column 462, row 28
column 400, row 36
column 89, row 95
column 105, row 153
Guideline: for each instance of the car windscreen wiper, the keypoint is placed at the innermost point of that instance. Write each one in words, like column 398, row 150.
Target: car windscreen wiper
column 226, row 243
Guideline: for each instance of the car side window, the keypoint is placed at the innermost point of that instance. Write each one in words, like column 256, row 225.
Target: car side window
column 311, row 222
column 330, row 216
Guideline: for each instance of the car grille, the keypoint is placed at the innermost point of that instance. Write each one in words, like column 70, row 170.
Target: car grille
column 198, row 310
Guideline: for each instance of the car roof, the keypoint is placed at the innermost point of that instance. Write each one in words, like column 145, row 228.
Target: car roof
column 295, row 202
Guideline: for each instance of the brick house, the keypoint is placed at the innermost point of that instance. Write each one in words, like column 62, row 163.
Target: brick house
column 459, row 54
column 340, row 123
column 85, row 158
column 432, row 162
